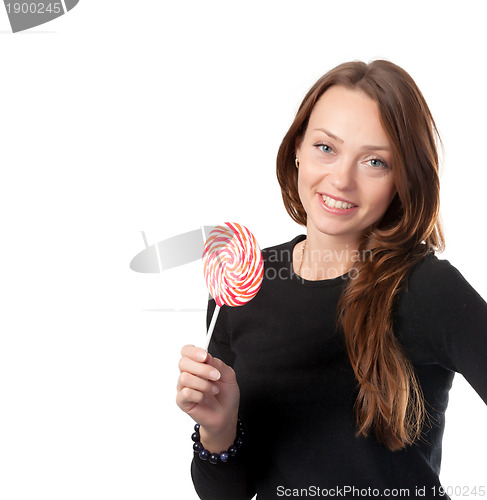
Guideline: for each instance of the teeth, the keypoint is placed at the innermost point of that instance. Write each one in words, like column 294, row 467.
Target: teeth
column 332, row 203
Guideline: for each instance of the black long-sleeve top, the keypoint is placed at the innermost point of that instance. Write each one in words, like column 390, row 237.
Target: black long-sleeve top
column 298, row 388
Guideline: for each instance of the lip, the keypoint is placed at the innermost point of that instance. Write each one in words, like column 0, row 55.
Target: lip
column 336, row 211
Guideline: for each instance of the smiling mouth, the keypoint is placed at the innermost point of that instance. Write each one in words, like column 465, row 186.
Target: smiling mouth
column 333, row 203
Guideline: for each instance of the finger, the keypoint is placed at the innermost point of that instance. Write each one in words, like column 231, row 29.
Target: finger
column 199, row 369
column 188, row 380
column 194, row 353
column 227, row 372
column 188, row 398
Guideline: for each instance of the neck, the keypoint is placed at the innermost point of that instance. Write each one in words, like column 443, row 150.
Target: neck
column 327, row 256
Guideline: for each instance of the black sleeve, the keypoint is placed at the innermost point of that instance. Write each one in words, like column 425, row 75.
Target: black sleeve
column 452, row 319
column 231, row 480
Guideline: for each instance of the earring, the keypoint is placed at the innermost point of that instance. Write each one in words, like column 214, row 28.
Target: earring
column 296, row 162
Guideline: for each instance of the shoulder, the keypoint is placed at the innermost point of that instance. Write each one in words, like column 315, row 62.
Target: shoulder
column 434, row 278
column 431, row 267
column 442, row 319
column 438, row 312
column 435, row 293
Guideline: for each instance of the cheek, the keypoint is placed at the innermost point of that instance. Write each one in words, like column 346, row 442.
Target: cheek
column 301, row 189
column 381, row 196
column 385, row 199
column 305, row 183
column 310, row 173
column 304, row 179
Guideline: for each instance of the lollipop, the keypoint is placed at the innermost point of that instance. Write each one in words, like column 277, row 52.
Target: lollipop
column 233, row 267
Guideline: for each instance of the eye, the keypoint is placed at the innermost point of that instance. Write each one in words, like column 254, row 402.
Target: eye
column 324, row 148
column 377, row 163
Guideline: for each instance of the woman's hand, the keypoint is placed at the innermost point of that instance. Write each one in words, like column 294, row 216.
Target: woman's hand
column 208, row 392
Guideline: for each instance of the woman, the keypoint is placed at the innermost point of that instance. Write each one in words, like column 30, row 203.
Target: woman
column 340, row 367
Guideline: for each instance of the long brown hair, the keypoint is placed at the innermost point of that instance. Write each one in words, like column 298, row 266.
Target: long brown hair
column 389, row 401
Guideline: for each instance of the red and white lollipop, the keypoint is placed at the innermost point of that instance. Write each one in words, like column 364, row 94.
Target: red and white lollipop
column 233, row 267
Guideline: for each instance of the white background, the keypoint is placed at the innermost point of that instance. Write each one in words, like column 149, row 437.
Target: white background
column 161, row 116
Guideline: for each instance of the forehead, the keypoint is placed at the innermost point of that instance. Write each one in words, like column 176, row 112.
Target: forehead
column 347, row 112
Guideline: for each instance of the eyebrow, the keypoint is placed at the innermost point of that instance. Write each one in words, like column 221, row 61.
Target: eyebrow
column 341, row 141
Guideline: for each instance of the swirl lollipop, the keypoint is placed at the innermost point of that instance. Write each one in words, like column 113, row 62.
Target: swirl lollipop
column 233, row 267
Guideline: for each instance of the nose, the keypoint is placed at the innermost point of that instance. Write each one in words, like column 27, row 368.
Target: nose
column 342, row 175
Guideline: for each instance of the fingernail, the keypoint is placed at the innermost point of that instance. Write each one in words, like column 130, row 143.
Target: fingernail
column 215, row 390
column 214, row 374
column 201, row 355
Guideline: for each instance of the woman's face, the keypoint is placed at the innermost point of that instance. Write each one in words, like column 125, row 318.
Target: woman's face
column 345, row 182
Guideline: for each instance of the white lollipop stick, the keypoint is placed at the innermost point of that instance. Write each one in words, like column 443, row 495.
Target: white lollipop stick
column 212, row 326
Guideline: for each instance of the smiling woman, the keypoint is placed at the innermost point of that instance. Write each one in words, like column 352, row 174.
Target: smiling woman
column 340, row 367
column 339, row 172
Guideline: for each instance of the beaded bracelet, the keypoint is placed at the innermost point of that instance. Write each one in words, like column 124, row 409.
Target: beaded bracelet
column 224, row 456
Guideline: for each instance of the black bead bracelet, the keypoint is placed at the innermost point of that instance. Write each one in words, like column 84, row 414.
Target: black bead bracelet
column 224, row 456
